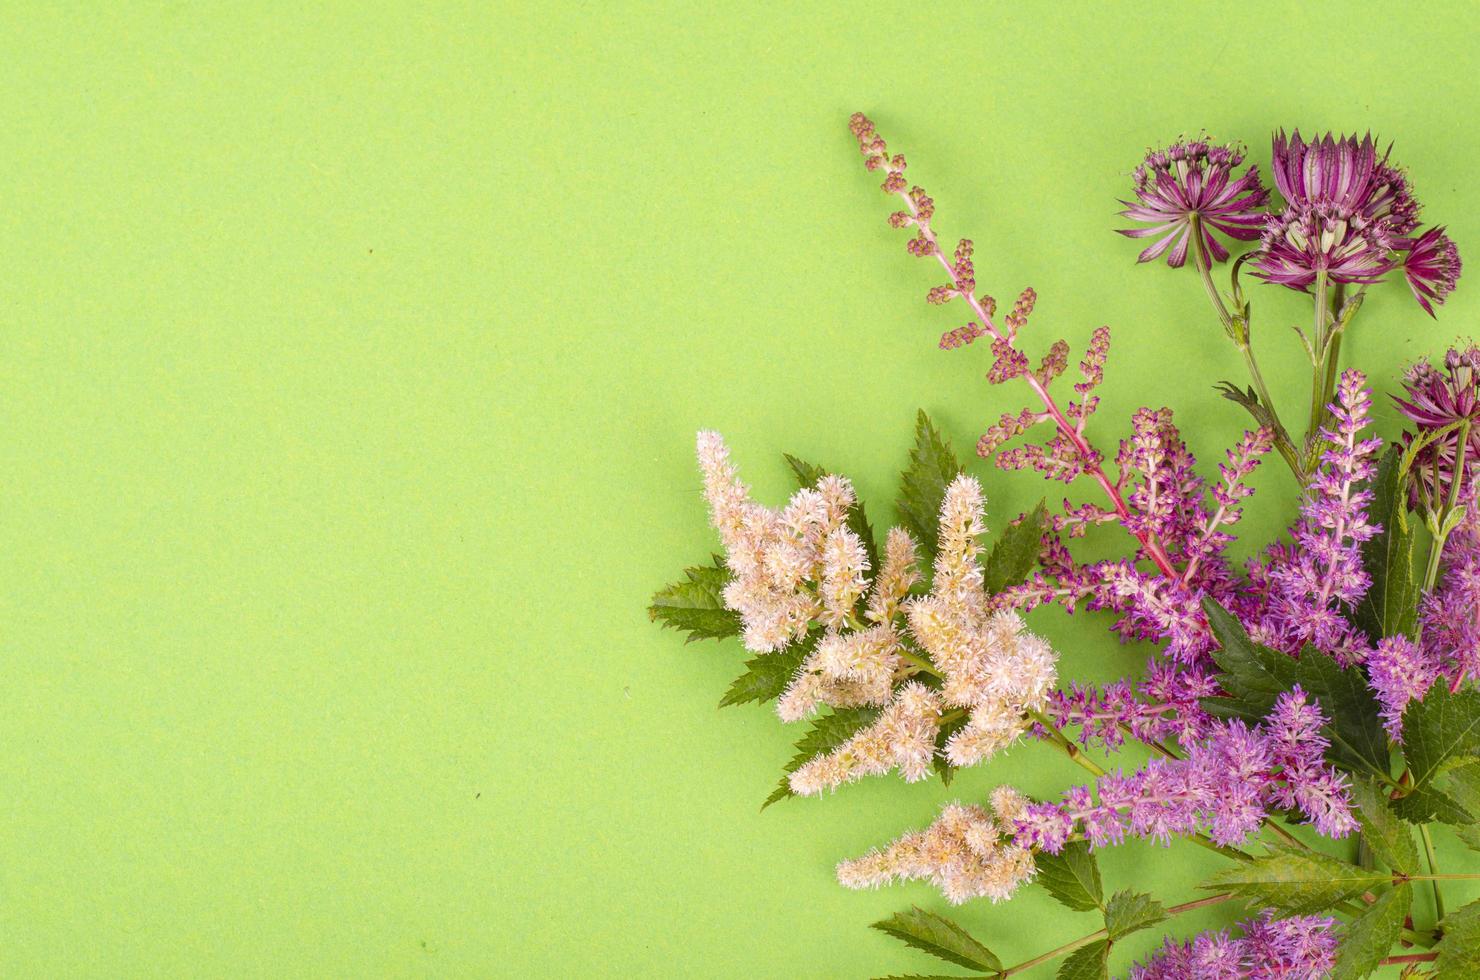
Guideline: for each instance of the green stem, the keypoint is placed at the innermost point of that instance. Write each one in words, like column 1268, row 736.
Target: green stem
column 1318, row 346
column 1433, row 862
column 1424, row 939
column 1099, row 934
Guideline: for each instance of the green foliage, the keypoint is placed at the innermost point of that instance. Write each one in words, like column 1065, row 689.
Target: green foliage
column 1087, row 963
column 940, row 763
column 1440, row 732
column 767, row 675
column 1255, row 676
column 807, row 475
column 1012, row 558
column 1386, row 836
column 1464, row 786
column 695, row 605
column 1391, row 604
column 1129, row 912
column 827, row 733
column 1072, row 877
column 1295, row 881
column 1369, row 937
column 940, row 937
column 933, row 466
column 1459, row 950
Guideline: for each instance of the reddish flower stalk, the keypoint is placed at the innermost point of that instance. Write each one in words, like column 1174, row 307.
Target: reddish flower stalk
column 919, row 210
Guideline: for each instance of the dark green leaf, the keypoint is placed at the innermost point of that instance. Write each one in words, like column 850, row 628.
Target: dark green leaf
column 1369, row 937
column 1129, row 912
column 1297, row 882
column 807, row 475
column 1391, row 604
column 1255, row 676
column 1016, row 552
column 1087, row 963
column 1072, row 876
column 1440, row 731
column 695, row 604
column 1459, row 950
column 827, row 733
column 941, row 764
column 1389, row 839
column 923, row 485
column 939, row 937
column 767, row 675
column 1426, row 804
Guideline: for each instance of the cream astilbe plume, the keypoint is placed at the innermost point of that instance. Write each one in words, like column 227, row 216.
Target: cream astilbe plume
column 990, row 665
column 895, row 577
column 902, row 736
column 775, row 557
column 967, row 853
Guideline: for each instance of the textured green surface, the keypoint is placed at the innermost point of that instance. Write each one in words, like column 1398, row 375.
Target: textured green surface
column 350, row 367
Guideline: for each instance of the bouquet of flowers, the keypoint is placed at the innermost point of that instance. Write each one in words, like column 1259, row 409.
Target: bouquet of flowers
column 1308, row 716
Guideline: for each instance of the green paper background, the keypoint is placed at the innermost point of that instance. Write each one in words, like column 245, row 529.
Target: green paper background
column 351, row 360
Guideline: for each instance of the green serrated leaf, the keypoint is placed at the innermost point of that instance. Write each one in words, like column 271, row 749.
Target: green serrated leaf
column 1389, row 838
column 1426, row 804
column 1440, row 731
column 695, row 605
column 1012, row 558
column 1087, row 963
column 1255, row 676
column 1390, row 606
column 1459, row 950
column 940, row 763
column 827, row 733
column 1072, row 876
column 1369, row 937
column 1129, row 912
column 807, row 475
column 923, row 484
column 767, row 675
column 1297, row 882
column 940, row 937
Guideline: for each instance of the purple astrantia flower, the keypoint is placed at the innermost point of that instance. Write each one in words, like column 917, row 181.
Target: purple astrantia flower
column 1436, row 399
column 1431, row 267
column 1347, row 174
column 1400, row 671
column 1305, row 241
column 1309, row 584
column 1298, row 948
column 1194, row 179
column 1226, row 786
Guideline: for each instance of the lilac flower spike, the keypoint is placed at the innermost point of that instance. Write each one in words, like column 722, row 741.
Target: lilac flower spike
column 1227, row 785
column 1194, row 179
column 1431, row 268
column 1302, row 947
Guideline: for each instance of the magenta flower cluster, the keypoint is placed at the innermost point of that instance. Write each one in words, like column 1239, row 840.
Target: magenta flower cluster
column 1301, row 947
column 1226, row 786
column 1349, row 214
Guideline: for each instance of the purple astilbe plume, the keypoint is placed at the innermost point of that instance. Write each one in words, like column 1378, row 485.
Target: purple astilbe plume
column 1194, row 180
column 1301, row 947
column 1310, row 584
column 1400, row 671
column 1303, row 242
column 1165, row 704
column 1450, row 615
column 1226, row 786
column 1431, row 267
column 1435, row 400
